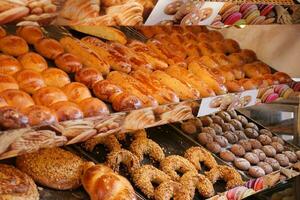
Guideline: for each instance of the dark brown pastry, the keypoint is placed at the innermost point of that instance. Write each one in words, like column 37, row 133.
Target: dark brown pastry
column 206, row 121
column 88, row 76
column 266, row 167
column 252, row 158
column 266, row 132
column 238, row 150
column 255, row 144
column 30, row 81
column 221, row 140
column 228, row 127
column 33, row 61
column 66, row 110
column 282, row 159
column 291, row 156
column 231, row 137
column 277, row 139
column 217, row 119
column 49, row 48
column 261, row 155
column 49, row 95
column 232, row 114
column 273, row 162
column 13, row 45
column 209, row 130
column 264, row 139
column 7, row 82
column 227, row 156
column 17, row 99
column 31, row 34
column 236, row 124
column 241, row 135
column 189, row 127
column 11, row 118
column 217, row 128
column 205, row 138
column 251, row 133
column 213, row 147
column 277, row 146
column 76, row 92
column 55, row 77
column 252, row 125
column 68, row 63
column 92, row 107
column 246, row 144
column 242, row 164
column 269, row 150
column 9, row 65
column 39, row 115
column 224, row 115
column 242, row 119
column 256, row 171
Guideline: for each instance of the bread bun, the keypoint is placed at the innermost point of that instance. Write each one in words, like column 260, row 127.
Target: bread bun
column 124, row 101
column 9, row 65
column 11, row 117
column 49, row 48
column 68, row 62
column 39, row 115
column 30, row 81
column 55, row 77
column 248, row 84
column 76, row 92
column 33, row 61
column 234, row 86
column 17, row 98
column 248, row 55
column 2, row 32
column 7, row 82
column 13, row 45
column 66, row 110
column 31, row 34
column 251, row 70
column 88, row 76
column 49, row 95
column 105, row 89
column 282, row 77
column 93, row 107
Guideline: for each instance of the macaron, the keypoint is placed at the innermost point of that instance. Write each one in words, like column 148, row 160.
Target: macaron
column 244, row 6
column 279, row 88
column 259, row 184
column 249, row 10
column 262, row 91
column 258, row 20
column 288, row 92
column 296, row 86
column 254, row 14
column 266, row 10
column 271, row 98
column 248, row 193
column 225, row 7
column 234, row 9
column 240, row 22
column 266, row 92
column 230, row 20
column 269, row 20
column 239, row 192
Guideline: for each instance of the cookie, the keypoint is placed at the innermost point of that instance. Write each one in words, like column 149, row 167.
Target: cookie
column 217, row 128
column 260, row 154
column 232, row 114
column 252, row 158
column 221, row 140
column 264, row 139
column 237, row 150
column 252, row 125
column 217, row 119
column 255, row 144
column 266, row 167
column 196, row 16
column 277, row 139
column 251, row 133
column 224, row 115
column 209, row 130
column 266, row 132
column 173, row 7
column 274, row 163
column 245, row 144
column 228, row 127
column 241, row 135
column 213, row 147
column 282, row 159
column 205, row 138
column 291, row 156
column 269, row 150
column 277, row 146
column 236, row 124
column 242, row 119
column 242, row 164
column 256, row 171
column 227, row 156
column 231, row 137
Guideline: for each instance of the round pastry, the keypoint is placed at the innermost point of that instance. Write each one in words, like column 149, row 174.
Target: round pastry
column 217, row 128
column 232, row 114
column 206, row 121
column 66, row 110
column 246, row 144
column 33, row 61
column 221, row 140
column 238, row 150
column 227, row 156
column 241, row 135
column 76, row 92
column 68, row 62
column 298, row 154
column 31, row 34
column 11, row 118
column 269, row 150
column 228, row 127
column 255, row 144
column 251, row 133
column 236, row 124
column 252, row 125
column 282, row 159
column 242, row 119
column 92, row 107
column 13, row 45
column 213, row 147
column 49, row 95
column 266, row 167
column 231, row 137
column 224, row 115
column 16, row 185
column 189, row 127
column 52, row 167
column 205, row 138
column 55, row 77
column 266, row 132
column 39, row 115
column 256, row 171
column 277, row 146
column 88, row 76
column 260, row 154
column 17, row 98
column 30, row 81
column 252, row 158
column 291, row 156
column 9, row 65
column 217, row 119
column 209, row 130
column 242, row 164
column 7, row 82
column 264, row 139
column 49, row 48
column 277, row 139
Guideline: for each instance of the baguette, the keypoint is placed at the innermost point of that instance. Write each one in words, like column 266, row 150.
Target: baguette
column 87, row 56
column 183, row 91
column 189, row 78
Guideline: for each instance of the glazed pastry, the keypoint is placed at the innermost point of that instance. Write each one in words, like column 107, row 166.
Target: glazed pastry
column 13, row 45
column 49, row 95
column 88, row 76
column 49, row 48
column 125, row 101
column 17, row 99
column 76, row 92
column 39, row 115
column 30, row 81
column 31, row 34
column 7, row 82
column 282, row 77
column 105, row 89
column 33, row 61
column 9, row 65
column 68, row 62
column 11, row 118
column 66, row 110
column 54, row 77
column 92, row 107
column 197, row 155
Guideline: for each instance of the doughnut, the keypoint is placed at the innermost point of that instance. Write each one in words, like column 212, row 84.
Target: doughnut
column 197, row 154
column 110, row 142
column 171, row 164
column 171, row 190
column 145, row 176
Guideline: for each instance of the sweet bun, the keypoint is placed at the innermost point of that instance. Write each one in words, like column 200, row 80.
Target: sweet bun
column 105, row 89
column 39, row 115
column 49, row 48
column 30, row 81
column 17, row 98
column 76, row 92
column 66, row 110
column 124, row 101
column 68, row 62
column 7, row 82
column 282, row 77
column 11, row 117
column 88, row 76
column 49, row 95
column 33, row 61
column 2, row 32
column 93, row 107
column 13, row 45
column 31, row 34
column 55, row 77
column 9, row 65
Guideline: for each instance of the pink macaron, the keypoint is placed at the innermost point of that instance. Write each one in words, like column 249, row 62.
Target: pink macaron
column 266, row 10
column 230, row 20
column 271, row 97
column 296, row 87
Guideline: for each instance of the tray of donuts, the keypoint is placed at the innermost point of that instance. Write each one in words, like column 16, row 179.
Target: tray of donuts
column 241, row 142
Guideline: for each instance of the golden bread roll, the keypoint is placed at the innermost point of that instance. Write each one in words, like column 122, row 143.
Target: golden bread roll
column 215, row 36
column 16, row 185
column 3, row 102
column 31, row 34
column 88, row 76
column 9, row 65
column 13, row 45
column 248, row 84
column 220, row 58
column 66, row 110
column 282, row 77
column 55, row 77
column 92, row 107
column 12, row 118
column 231, row 46
column 49, row 48
column 68, row 62
column 49, row 95
column 2, row 32
column 39, row 115
column 256, row 69
column 236, row 59
column 125, row 101
column 52, row 167
column 248, row 55
column 87, row 56
column 205, row 48
column 166, row 54
column 7, row 82
column 218, row 46
column 105, row 89
column 33, row 61
column 30, row 81
column 227, row 73
column 234, row 86
column 263, row 68
column 76, row 92
column 183, row 91
column 17, row 98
